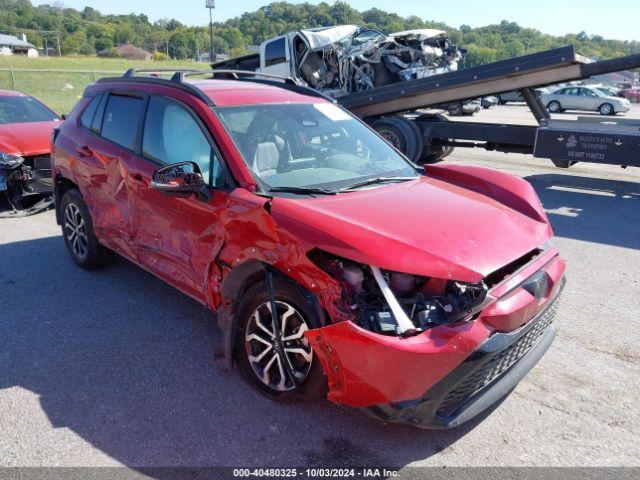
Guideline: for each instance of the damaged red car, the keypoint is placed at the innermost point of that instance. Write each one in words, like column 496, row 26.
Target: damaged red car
column 26, row 125
column 334, row 265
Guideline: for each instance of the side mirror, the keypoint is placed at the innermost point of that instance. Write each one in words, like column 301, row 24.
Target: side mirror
column 180, row 178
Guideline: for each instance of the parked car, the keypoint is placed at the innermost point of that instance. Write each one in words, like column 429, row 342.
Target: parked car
column 507, row 97
column 590, row 99
column 631, row 94
column 490, row 101
column 26, row 125
column 467, row 108
column 334, row 265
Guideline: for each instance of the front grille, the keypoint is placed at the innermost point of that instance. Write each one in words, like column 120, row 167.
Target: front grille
column 498, row 364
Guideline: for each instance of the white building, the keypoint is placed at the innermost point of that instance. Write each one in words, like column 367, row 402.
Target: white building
column 10, row 45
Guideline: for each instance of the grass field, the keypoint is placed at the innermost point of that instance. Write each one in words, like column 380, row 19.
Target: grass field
column 61, row 89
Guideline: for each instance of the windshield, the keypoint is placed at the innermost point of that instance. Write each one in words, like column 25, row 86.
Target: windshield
column 310, row 146
column 23, row 110
column 606, row 92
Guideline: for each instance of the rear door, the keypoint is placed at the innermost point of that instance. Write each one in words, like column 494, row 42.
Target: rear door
column 178, row 237
column 105, row 143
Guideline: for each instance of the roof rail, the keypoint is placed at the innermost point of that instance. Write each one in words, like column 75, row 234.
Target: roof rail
column 180, row 74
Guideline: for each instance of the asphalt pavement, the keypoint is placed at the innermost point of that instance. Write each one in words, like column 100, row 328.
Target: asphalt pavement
column 115, row 367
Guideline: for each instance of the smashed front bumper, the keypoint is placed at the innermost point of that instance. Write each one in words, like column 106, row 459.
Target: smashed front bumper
column 26, row 189
column 449, row 374
column 489, row 374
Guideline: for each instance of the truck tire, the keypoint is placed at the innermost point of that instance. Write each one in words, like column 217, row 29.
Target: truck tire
column 432, row 153
column 401, row 133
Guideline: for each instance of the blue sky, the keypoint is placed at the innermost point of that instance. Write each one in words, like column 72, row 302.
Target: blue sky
column 619, row 20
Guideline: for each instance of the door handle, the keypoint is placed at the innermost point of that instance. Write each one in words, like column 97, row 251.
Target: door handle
column 137, row 178
column 84, row 151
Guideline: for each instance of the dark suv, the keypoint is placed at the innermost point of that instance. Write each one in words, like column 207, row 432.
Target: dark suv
column 335, row 266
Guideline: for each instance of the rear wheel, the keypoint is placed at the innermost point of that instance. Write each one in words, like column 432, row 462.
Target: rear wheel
column 278, row 363
column 606, row 109
column 554, row 107
column 77, row 229
column 403, row 134
column 432, row 153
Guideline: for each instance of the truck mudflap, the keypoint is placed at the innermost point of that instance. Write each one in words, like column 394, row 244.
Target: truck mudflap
column 614, row 141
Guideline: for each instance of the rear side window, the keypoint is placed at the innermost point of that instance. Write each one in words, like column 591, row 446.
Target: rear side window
column 121, row 120
column 274, row 52
column 90, row 111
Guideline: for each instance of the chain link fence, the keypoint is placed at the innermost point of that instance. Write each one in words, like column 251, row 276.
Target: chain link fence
column 59, row 89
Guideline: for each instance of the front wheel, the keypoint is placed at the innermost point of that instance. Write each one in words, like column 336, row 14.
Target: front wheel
column 554, row 107
column 606, row 109
column 277, row 362
column 77, row 229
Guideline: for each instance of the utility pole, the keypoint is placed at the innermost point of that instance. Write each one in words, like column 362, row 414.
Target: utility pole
column 211, row 4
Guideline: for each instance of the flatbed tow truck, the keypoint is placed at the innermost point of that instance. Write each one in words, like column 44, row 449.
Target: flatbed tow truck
column 398, row 111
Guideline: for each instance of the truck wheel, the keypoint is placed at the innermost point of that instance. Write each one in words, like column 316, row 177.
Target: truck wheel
column 554, row 107
column 77, row 230
column 263, row 356
column 606, row 109
column 403, row 134
column 432, row 153
column 563, row 163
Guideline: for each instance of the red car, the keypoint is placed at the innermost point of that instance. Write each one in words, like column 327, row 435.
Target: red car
column 631, row 94
column 26, row 126
column 334, row 265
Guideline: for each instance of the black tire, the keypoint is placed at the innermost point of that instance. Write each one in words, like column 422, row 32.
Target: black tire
column 432, row 153
column 77, row 230
column 502, row 102
column 606, row 109
column 554, row 107
column 314, row 385
column 403, row 134
column 563, row 163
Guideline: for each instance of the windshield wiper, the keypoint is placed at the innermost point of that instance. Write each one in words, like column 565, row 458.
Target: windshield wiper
column 303, row 190
column 374, row 181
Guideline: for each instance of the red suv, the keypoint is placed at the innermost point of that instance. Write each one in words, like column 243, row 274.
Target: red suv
column 334, row 265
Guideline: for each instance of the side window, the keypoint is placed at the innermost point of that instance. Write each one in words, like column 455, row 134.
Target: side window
column 87, row 116
column 96, row 125
column 121, row 120
column 172, row 135
column 275, row 52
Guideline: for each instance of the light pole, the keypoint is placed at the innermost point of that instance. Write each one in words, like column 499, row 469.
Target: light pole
column 211, row 4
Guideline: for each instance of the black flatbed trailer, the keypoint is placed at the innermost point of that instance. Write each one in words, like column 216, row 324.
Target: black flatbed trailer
column 609, row 140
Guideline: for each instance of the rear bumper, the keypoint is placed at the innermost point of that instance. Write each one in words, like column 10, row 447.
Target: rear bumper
column 486, row 376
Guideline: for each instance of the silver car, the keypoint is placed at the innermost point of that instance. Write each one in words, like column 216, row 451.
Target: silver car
column 590, row 99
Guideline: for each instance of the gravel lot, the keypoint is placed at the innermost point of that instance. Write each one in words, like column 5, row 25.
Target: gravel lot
column 116, row 368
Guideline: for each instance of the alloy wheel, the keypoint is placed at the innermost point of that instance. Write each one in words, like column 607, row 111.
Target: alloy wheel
column 76, row 230
column 280, row 359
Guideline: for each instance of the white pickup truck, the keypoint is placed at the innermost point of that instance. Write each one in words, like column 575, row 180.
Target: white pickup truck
column 348, row 58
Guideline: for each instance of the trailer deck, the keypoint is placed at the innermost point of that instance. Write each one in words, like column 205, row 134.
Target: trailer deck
column 530, row 71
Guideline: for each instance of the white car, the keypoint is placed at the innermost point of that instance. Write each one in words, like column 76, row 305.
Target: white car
column 590, row 99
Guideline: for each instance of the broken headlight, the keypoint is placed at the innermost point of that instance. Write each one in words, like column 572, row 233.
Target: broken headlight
column 9, row 161
column 394, row 303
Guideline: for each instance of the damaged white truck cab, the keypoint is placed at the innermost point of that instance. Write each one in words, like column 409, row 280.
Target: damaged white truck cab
column 348, row 58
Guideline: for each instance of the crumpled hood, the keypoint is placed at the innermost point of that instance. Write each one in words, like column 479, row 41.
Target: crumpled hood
column 424, row 227
column 31, row 138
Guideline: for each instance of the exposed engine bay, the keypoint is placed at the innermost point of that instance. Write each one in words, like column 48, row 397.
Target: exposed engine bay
column 347, row 59
column 26, row 186
column 401, row 304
